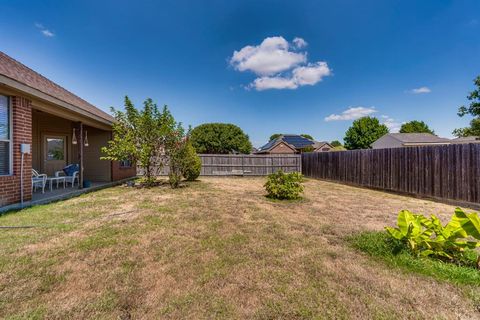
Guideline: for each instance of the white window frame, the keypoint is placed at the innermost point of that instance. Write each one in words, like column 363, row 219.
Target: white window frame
column 10, row 140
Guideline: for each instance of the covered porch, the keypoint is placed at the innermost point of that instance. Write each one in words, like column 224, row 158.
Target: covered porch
column 61, row 140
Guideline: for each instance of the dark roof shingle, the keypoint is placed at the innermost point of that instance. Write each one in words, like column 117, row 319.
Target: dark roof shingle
column 17, row 71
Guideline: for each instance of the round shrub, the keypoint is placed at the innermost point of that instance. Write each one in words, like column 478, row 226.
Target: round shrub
column 281, row 185
column 192, row 164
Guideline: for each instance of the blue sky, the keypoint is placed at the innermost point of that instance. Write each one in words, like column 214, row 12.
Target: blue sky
column 238, row 62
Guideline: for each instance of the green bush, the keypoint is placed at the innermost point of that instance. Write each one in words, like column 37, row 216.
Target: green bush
column 281, row 185
column 192, row 164
column 428, row 237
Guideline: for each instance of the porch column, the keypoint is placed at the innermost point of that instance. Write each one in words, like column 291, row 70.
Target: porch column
column 80, row 157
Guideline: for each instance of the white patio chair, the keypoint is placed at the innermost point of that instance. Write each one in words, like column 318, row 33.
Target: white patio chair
column 38, row 179
column 68, row 179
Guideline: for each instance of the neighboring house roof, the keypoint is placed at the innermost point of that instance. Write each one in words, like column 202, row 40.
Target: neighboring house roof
column 15, row 70
column 418, row 138
column 275, row 143
column 294, row 140
column 469, row 139
column 320, row 144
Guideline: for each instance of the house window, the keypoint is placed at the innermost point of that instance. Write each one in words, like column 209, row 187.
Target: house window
column 5, row 137
column 125, row 164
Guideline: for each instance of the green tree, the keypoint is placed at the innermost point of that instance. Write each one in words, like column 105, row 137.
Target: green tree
column 305, row 135
column 336, row 143
column 275, row 136
column 192, row 164
column 474, row 110
column 138, row 137
column 415, row 126
column 363, row 133
column 220, row 138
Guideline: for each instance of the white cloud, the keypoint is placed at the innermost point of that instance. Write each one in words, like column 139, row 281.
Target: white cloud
column 352, row 113
column 299, row 43
column 420, row 90
column 44, row 31
column 276, row 82
column 391, row 124
column 270, row 57
column 301, row 76
column 279, row 65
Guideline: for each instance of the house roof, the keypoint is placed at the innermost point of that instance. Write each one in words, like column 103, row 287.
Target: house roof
column 414, row 138
column 294, row 140
column 319, row 144
column 469, row 139
column 17, row 71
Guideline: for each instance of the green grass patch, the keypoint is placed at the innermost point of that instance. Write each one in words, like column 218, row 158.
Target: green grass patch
column 381, row 246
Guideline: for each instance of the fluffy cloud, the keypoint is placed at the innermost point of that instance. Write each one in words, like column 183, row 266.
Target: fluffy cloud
column 352, row 113
column 301, row 76
column 279, row 64
column 47, row 33
column 270, row 57
column 421, row 90
column 391, row 124
column 299, row 43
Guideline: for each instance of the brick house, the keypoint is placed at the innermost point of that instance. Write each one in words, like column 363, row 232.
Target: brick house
column 55, row 128
column 292, row 144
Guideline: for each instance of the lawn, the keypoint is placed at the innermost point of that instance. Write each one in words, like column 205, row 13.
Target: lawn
column 217, row 249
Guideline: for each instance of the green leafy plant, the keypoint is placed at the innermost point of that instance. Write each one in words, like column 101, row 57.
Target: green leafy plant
column 428, row 237
column 281, row 185
column 192, row 164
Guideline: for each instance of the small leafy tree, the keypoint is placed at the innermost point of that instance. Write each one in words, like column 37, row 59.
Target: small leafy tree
column 139, row 136
column 192, row 163
column 415, row 126
column 223, row 138
column 474, row 110
column 364, row 132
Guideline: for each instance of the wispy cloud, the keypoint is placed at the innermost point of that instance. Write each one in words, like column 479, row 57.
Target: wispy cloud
column 352, row 113
column 279, row 64
column 299, row 43
column 420, row 90
column 46, row 32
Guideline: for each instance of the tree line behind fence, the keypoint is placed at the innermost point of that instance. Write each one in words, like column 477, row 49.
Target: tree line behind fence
column 445, row 172
column 249, row 165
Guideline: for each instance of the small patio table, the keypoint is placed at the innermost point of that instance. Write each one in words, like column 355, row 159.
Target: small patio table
column 57, row 179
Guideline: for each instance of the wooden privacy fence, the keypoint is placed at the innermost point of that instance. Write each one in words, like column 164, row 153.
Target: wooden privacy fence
column 444, row 172
column 248, row 165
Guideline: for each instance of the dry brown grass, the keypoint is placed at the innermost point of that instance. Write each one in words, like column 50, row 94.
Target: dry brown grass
column 215, row 249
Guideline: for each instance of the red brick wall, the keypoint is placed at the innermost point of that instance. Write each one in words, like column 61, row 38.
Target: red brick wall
column 119, row 173
column 22, row 133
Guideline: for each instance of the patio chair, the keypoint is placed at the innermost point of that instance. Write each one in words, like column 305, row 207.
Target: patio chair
column 70, row 173
column 38, row 179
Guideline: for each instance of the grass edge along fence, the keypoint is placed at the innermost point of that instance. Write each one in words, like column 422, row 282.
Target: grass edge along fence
column 447, row 172
column 246, row 164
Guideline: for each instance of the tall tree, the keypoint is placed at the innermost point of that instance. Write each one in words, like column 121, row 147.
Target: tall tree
column 220, row 138
column 415, row 126
column 363, row 133
column 472, row 109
